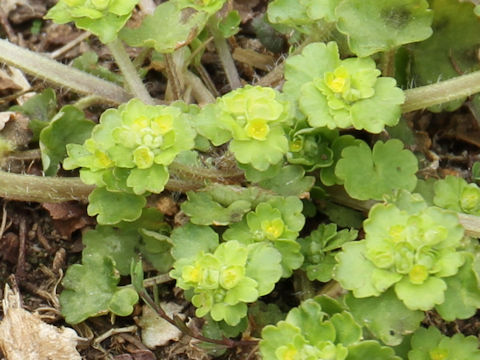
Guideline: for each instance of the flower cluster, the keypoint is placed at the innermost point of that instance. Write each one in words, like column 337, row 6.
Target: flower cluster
column 130, row 149
column 278, row 222
column 225, row 280
column 456, row 194
column 253, row 117
column 414, row 251
column 103, row 18
column 319, row 329
column 341, row 93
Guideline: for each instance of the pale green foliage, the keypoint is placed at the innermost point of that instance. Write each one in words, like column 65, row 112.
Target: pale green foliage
column 103, row 18
column 456, row 194
column 412, row 249
column 341, row 93
column 277, row 221
column 372, row 25
column 430, row 344
column 319, row 249
column 208, row 6
column 127, row 156
column 223, row 279
column 311, row 332
column 253, row 117
column 90, row 289
column 372, row 174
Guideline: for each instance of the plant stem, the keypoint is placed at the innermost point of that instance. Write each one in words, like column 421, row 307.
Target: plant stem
column 59, row 74
column 175, row 81
column 470, row 223
column 199, row 90
column 42, row 189
column 129, row 72
column 441, row 92
column 224, row 54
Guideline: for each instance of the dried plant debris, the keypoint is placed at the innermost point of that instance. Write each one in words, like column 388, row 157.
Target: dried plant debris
column 24, row 336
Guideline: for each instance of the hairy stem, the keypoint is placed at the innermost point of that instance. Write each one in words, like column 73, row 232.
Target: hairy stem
column 129, row 72
column 441, row 92
column 175, row 80
column 42, row 189
column 200, row 92
column 59, row 74
column 337, row 194
column 225, row 55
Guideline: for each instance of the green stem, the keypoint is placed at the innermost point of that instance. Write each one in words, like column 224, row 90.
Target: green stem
column 441, row 92
column 42, row 189
column 59, row 74
column 199, row 90
column 224, row 54
column 174, row 77
column 129, row 72
column 337, row 194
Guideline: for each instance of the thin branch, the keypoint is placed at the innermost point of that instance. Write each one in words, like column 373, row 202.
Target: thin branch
column 59, row 74
column 225, row 55
column 129, row 72
column 441, row 92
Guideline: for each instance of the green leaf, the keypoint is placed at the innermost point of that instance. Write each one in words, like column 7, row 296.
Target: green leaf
column 354, row 272
column 190, row 239
column 274, row 337
column 69, row 126
column 421, row 296
column 448, row 51
column 167, row 29
column 385, row 316
column 122, row 301
column 104, row 20
column 264, row 266
column 372, row 174
column 370, row 350
column 229, row 25
column 151, row 180
column 156, row 249
column 264, row 314
column 118, row 244
column 40, row 109
column 372, row 26
column 90, row 289
column 462, row 297
column 431, row 344
column 456, row 194
column 343, row 216
column 317, row 250
column 203, row 210
column 290, row 180
column 88, row 62
column 112, row 208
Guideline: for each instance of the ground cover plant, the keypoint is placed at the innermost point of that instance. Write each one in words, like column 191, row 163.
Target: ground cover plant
column 293, row 212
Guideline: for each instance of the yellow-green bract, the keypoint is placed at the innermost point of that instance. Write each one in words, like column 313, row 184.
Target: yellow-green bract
column 103, row 18
column 319, row 328
column 128, row 154
column 338, row 93
column 222, row 278
column 412, row 249
column 253, row 117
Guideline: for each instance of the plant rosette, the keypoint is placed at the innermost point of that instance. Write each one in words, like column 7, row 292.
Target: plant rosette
column 310, row 333
column 456, row 194
column 225, row 280
column 341, row 93
column 413, row 250
column 136, row 142
column 277, row 221
column 253, row 118
column 127, row 157
column 103, row 18
column 209, row 6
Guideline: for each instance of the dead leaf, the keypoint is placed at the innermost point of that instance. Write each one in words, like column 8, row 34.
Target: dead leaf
column 157, row 331
column 24, row 336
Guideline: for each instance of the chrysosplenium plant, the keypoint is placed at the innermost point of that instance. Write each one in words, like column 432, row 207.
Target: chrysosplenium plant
column 127, row 156
column 259, row 165
column 253, row 119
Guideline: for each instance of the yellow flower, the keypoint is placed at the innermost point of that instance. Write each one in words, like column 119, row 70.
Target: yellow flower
column 257, row 129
